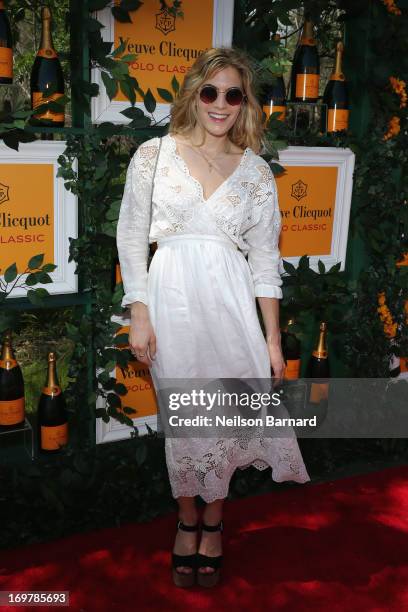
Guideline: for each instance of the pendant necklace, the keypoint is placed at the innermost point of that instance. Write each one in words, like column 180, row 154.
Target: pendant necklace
column 209, row 161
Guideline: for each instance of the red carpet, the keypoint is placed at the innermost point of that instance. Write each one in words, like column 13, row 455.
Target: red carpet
column 337, row 546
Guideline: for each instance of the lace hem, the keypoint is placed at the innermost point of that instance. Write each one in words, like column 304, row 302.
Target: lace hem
column 222, row 491
column 284, row 468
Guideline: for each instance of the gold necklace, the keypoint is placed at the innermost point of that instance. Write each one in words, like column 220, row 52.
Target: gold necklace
column 211, row 160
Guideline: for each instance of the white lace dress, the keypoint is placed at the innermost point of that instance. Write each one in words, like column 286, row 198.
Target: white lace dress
column 200, row 291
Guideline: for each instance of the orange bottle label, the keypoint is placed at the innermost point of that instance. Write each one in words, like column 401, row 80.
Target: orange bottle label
column 52, row 437
column 118, row 275
column 6, row 62
column 337, row 119
column 307, row 86
column 292, row 369
column 404, row 260
column 404, row 364
column 309, row 42
column 48, row 53
column 49, row 115
column 12, row 411
column 318, row 392
column 268, row 109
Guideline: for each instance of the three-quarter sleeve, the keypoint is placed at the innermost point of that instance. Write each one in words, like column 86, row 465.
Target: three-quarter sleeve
column 262, row 237
column 132, row 232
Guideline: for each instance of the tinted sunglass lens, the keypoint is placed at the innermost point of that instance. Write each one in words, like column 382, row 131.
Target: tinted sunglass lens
column 234, row 97
column 208, row 94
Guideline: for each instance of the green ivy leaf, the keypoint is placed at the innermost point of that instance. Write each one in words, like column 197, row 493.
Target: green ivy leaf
column 120, row 389
column 129, row 410
column 49, row 267
column 11, row 273
column 113, row 400
column 175, row 85
column 36, row 261
column 43, row 278
column 321, row 266
column 120, row 49
column 31, row 279
column 128, row 91
column 34, row 298
column 132, row 112
column 289, row 268
column 131, row 5
column 142, row 122
column 11, row 140
column 165, row 94
column 121, row 15
column 111, row 85
column 335, row 268
column 149, row 101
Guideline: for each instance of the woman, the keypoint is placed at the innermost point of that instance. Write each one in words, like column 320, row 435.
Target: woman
column 193, row 315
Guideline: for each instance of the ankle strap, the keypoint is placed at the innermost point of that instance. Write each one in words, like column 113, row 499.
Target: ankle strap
column 183, row 527
column 219, row 527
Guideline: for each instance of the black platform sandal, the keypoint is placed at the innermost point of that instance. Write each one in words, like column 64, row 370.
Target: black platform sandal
column 209, row 579
column 182, row 579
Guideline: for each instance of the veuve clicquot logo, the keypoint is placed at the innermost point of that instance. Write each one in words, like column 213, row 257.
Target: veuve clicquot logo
column 52, row 415
column 6, row 48
column 12, row 404
column 47, row 76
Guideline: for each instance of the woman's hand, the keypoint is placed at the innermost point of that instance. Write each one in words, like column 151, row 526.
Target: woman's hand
column 142, row 339
column 277, row 359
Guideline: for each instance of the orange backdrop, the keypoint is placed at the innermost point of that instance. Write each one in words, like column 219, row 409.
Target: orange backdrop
column 26, row 213
column 307, row 197
column 161, row 55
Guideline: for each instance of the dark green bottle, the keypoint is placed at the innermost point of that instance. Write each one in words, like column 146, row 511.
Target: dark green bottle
column 46, row 75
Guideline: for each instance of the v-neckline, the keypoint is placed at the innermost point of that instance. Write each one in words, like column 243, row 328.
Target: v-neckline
column 196, row 181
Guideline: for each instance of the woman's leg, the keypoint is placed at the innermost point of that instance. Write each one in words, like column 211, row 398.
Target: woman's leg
column 186, row 541
column 210, row 544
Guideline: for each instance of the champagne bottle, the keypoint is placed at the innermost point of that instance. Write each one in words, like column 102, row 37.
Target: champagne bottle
column 6, row 47
column 116, row 275
column 306, row 67
column 319, row 367
column 274, row 98
column 291, row 352
column 47, row 76
column 274, row 93
column 52, row 416
column 12, row 402
column 336, row 97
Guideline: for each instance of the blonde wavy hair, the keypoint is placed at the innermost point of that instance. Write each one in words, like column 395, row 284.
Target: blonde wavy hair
column 248, row 129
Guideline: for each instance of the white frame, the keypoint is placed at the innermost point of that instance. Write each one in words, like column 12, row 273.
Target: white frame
column 64, row 278
column 343, row 159
column 114, row 431
column 103, row 109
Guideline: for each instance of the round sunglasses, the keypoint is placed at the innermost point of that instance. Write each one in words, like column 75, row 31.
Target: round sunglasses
column 233, row 96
